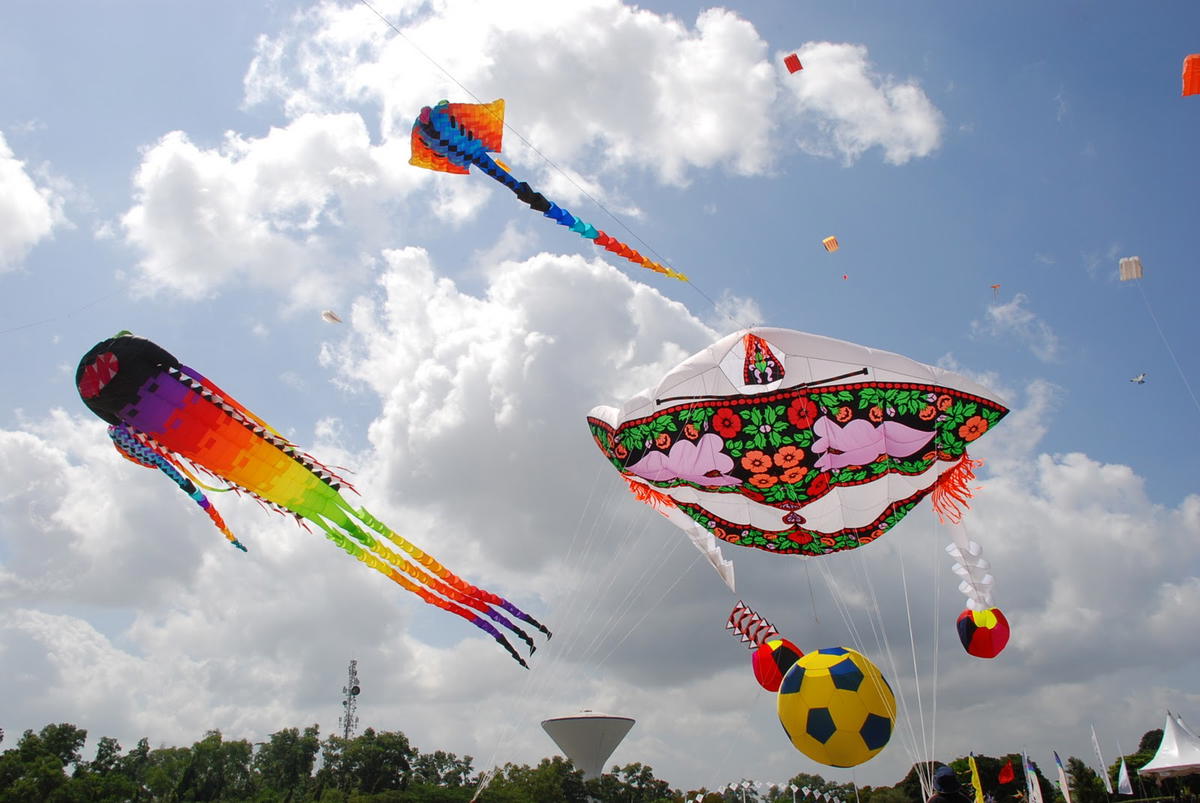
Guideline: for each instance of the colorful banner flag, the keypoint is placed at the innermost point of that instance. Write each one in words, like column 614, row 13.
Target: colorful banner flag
column 1103, row 767
column 975, row 782
column 1032, row 787
column 1062, row 778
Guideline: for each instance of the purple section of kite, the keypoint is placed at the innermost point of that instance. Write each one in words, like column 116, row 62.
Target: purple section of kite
column 702, row 463
column 861, row 442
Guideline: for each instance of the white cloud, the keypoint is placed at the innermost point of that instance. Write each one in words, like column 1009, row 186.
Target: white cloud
column 1016, row 320
column 854, row 109
column 621, row 85
column 261, row 209
column 29, row 211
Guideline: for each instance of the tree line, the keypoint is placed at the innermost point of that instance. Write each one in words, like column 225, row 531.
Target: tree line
column 297, row 766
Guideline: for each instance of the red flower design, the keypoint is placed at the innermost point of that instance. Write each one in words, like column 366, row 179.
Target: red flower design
column 763, row 480
column 927, row 412
column 788, row 456
column 943, row 403
column 756, row 463
column 690, row 432
column 726, row 423
column 802, row 412
column 875, row 414
column 844, row 414
column 794, row 475
column 827, row 540
column 819, row 485
column 620, row 451
column 802, row 538
column 975, row 426
column 663, row 440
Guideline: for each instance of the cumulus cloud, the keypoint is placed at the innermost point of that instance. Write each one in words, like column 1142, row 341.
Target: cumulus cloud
column 261, row 208
column 1014, row 319
column 854, row 108
column 595, row 81
column 29, row 211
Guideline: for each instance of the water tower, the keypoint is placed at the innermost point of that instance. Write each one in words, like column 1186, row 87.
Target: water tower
column 588, row 738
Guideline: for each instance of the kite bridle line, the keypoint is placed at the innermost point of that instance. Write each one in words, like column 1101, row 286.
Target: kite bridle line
column 570, row 179
column 801, row 386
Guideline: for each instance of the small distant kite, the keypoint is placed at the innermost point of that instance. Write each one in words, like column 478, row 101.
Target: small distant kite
column 1131, row 268
column 793, row 64
column 830, row 243
column 1140, row 379
column 995, row 291
column 1191, row 75
column 330, row 316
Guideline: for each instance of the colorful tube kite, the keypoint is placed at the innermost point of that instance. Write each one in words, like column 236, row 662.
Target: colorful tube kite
column 450, row 137
column 163, row 414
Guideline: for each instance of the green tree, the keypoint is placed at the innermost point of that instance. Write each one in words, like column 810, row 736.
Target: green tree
column 1086, row 786
column 554, row 780
column 217, row 770
column 440, row 768
column 36, row 768
column 284, row 763
column 376, row 762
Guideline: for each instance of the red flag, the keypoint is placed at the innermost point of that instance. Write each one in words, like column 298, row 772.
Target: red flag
column 1006, row 773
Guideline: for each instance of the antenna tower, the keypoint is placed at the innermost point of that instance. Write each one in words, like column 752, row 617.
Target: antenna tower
column 349, row 719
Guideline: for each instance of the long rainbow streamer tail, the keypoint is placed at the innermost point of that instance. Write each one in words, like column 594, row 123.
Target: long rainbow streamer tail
column 449, row 137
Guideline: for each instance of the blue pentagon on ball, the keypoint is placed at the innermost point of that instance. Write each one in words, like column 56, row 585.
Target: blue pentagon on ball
column 836, row 707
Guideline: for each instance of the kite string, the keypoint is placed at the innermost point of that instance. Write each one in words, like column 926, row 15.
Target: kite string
column 909, row 739
column 570, row 179
column 1170, row 350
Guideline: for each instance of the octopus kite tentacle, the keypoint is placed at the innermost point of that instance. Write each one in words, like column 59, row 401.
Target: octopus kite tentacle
column 132, row 450
column 432, row 564
column 163, row 414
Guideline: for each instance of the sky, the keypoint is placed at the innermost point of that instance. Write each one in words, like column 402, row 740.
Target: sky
column 214, row 177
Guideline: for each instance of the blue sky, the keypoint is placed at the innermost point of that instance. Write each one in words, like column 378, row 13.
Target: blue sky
column 949, row 149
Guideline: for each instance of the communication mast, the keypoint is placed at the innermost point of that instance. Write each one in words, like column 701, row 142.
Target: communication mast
column 349, row 719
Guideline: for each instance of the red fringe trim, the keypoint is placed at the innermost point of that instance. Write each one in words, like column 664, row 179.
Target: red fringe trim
column 952, row 489
column 644, row 493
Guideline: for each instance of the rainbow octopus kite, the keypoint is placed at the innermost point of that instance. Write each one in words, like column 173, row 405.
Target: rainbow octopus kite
column 163, row 414
column 799, row 444
column 450, row 137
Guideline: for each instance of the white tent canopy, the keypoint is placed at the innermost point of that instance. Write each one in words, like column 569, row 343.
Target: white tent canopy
column 1179, row 753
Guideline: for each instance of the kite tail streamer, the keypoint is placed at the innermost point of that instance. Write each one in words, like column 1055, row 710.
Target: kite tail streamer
column 131, row 449
column 953, row 489
column 753, row 629
column 340, row 517
column 430, row 563
column 444, row 139
column 644, row 493
column 366, row 557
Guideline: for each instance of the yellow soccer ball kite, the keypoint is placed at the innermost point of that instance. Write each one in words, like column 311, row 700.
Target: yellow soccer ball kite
column 836, row 707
